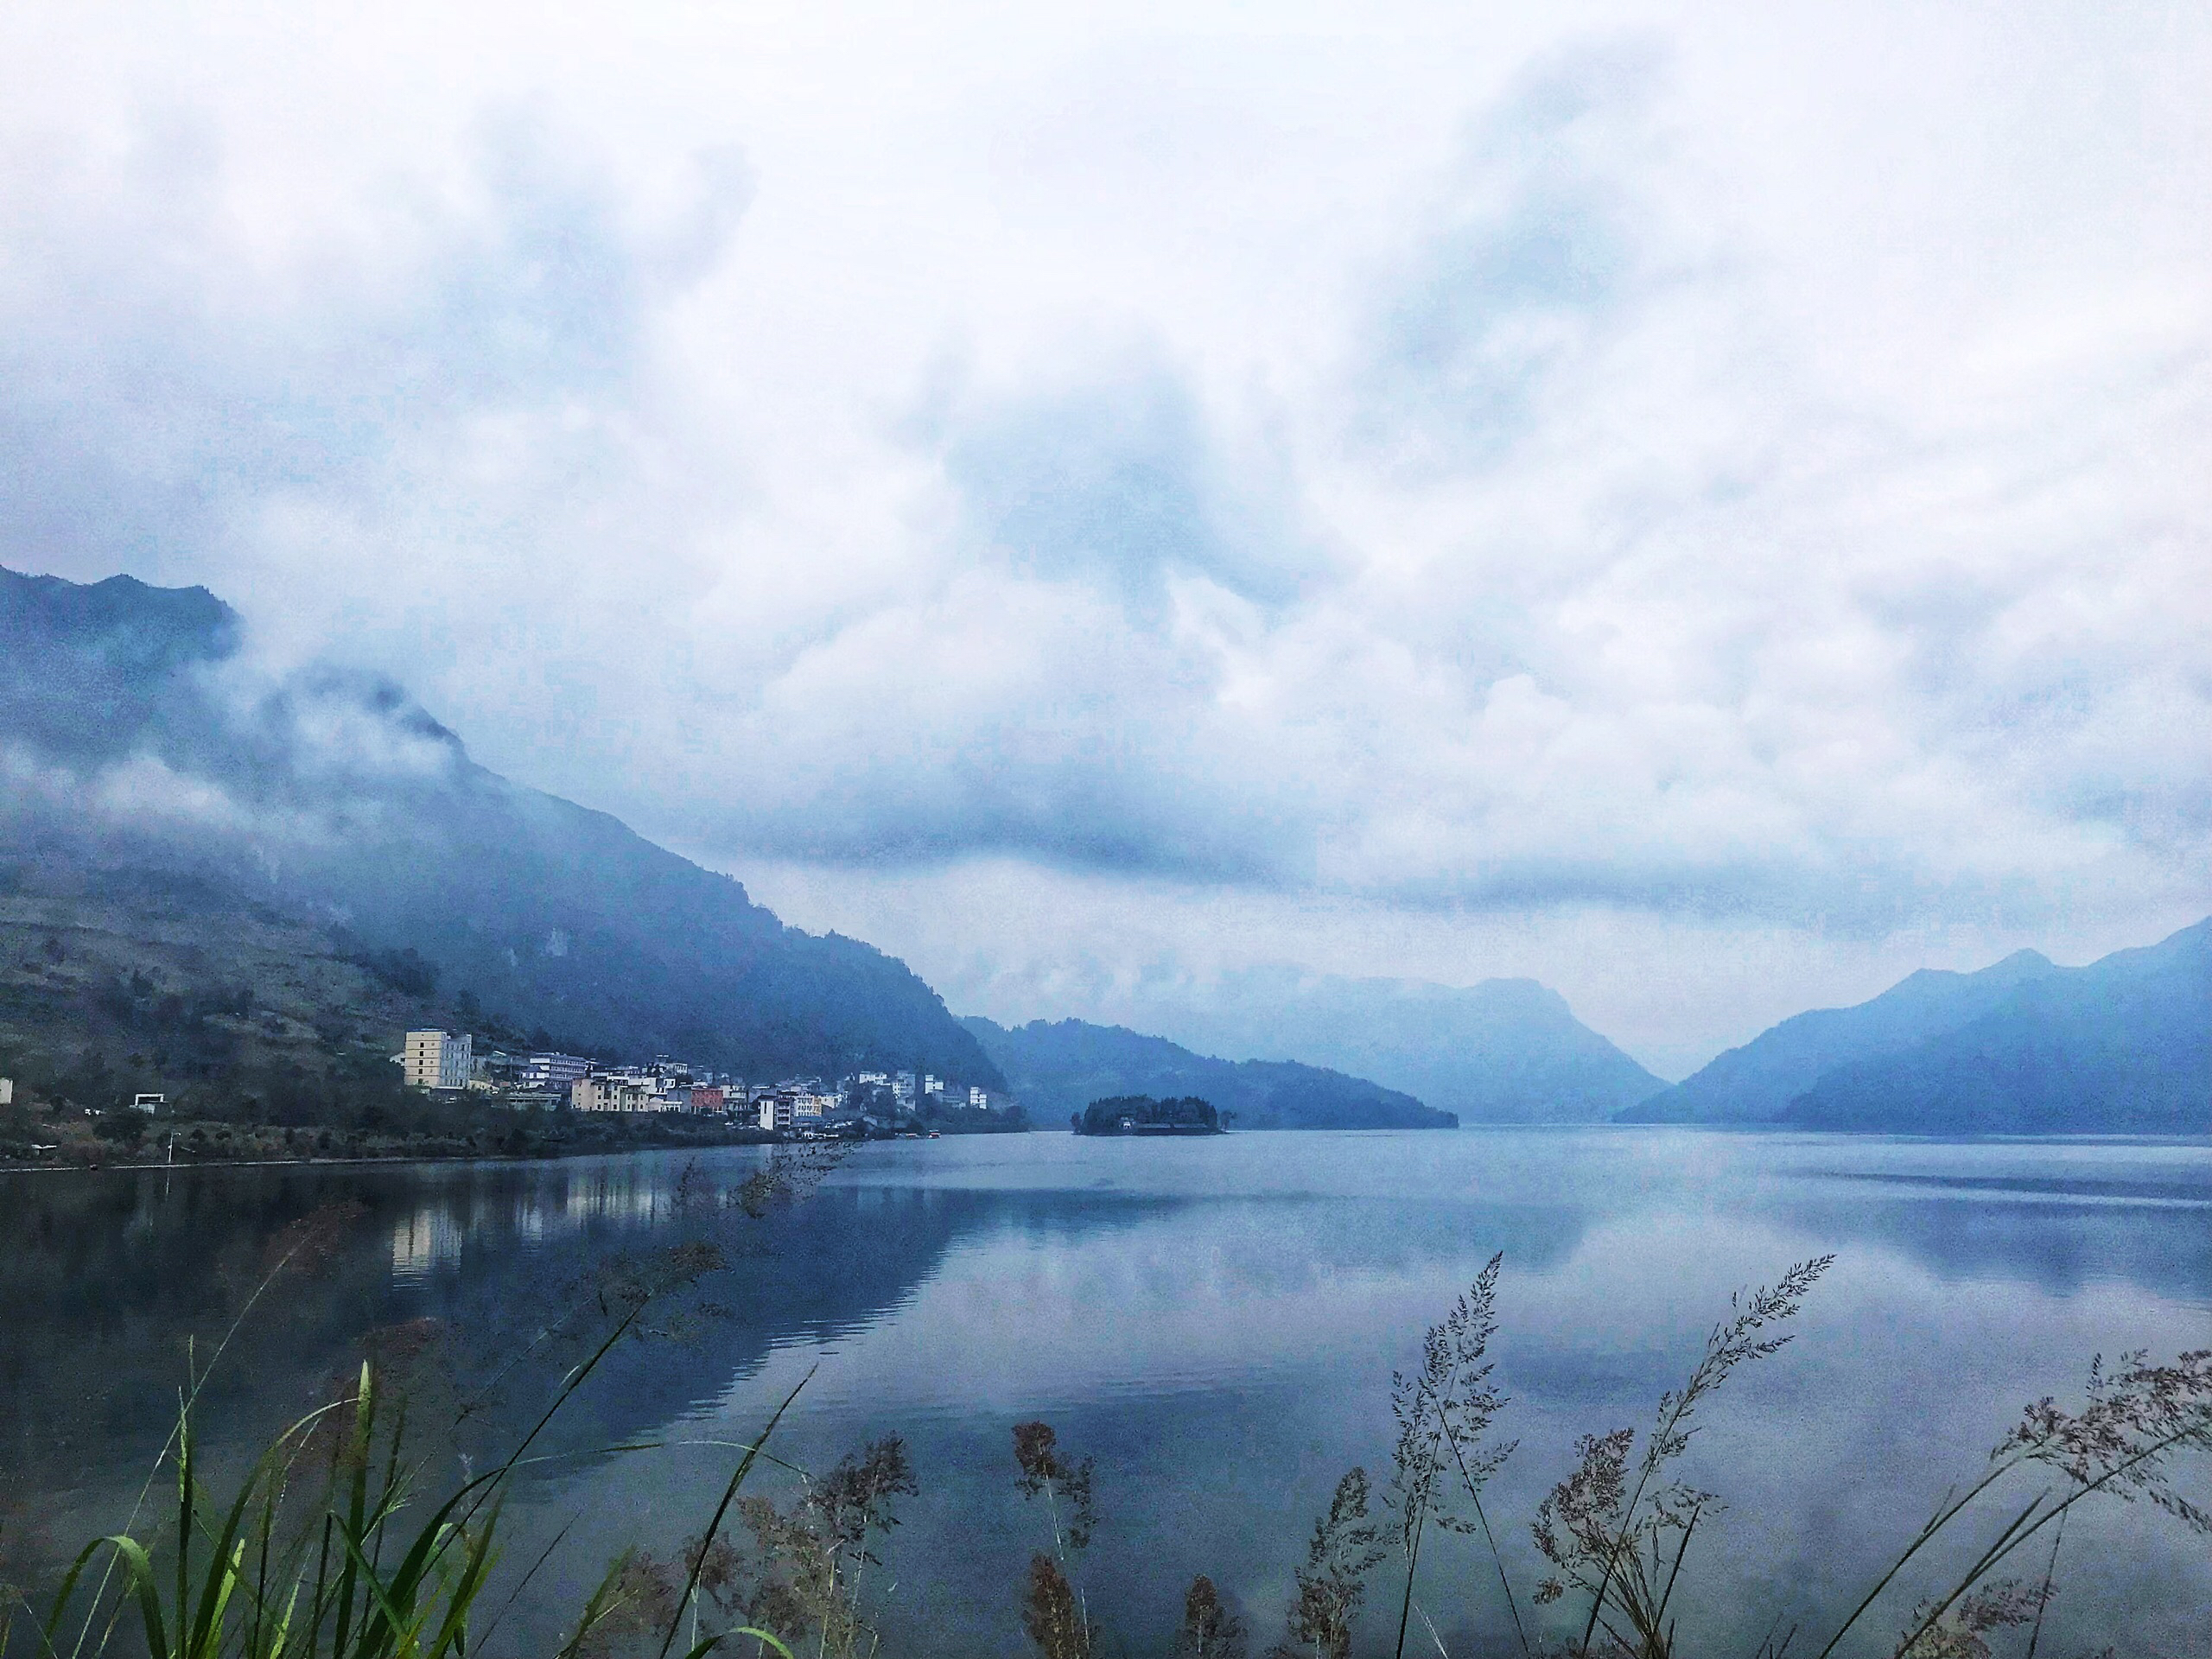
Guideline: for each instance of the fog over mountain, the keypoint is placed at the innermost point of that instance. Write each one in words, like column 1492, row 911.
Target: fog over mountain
column 1505, row 1050
column 1757, row 1082
column 1616, row 495
column 131, row 741
column 2121, row 1046
column 2023, row 1046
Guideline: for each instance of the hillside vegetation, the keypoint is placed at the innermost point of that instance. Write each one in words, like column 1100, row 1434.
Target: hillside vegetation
column 141, row 757
column 269, row 1038
column 165, row 985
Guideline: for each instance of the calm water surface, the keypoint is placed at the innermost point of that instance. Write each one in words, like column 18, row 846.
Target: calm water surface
column 1217, row 1321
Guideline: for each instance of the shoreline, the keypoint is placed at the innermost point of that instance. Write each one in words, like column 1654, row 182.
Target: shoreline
column 1753, row 1130
column 62, row 1168
column 59, row 1167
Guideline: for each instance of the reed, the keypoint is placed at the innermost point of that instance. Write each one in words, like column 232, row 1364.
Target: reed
column 314, row 1554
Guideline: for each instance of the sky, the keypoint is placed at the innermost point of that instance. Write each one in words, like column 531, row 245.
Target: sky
column 1706, row 506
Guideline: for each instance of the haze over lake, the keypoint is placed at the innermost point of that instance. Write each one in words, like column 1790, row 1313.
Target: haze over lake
column 1216, row 1320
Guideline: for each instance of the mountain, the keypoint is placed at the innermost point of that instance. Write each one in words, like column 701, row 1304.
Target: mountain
column 2124, row 1044
column 1505, row 1050
column 136, row 748
column 2023, row 1046
column 1755, row 1084
column 1058, row 1069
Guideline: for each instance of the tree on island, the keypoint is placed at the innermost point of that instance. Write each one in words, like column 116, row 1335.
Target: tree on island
column 1142, row 1115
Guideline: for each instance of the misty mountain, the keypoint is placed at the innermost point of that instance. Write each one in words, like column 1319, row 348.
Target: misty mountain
column 2023, row 1045
column 1755, row 1083
column 1058, row 1069
column 1506, row 1050
column 2124, row 1044
column 132, row 741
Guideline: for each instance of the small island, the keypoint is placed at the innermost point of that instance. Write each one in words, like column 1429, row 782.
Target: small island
column 1142, row 1115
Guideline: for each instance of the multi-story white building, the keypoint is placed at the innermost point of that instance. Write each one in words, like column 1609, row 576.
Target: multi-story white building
column 437, row 1060
column 775, row 1111
column 553, row 1072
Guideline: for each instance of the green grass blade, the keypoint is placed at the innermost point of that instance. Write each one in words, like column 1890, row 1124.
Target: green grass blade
column 757, row 1634
column 388, row 1626
column 729, row 1492
column 595, row 1610
column 138, row 1570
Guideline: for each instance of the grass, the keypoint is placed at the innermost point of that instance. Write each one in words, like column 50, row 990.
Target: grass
column 335, row 1541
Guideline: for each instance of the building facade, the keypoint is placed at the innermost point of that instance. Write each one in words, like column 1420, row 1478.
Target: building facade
column 619, row 1091
column 437, row 1060
column 553, row 1072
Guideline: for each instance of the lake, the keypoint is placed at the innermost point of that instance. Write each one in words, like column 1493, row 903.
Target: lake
column 1215, row 1320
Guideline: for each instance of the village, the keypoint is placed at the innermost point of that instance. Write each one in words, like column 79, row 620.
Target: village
column 851, row 1107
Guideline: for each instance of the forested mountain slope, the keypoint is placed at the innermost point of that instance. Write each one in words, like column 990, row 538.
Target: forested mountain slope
column 1755, row 1083
column 2124, row 1044
column 2022, row 1046
column 134, row 753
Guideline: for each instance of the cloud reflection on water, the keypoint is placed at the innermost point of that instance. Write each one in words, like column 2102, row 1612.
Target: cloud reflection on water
column 1217, row 1321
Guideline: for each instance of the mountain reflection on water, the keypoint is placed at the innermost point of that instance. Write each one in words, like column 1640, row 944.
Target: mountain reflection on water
column 1217, row 1320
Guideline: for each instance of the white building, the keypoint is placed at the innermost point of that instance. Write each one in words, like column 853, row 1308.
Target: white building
column 553, row 1072
column 438, row 1059
column 775, row 1111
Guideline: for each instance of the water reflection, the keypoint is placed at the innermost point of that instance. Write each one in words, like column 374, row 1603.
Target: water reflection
column 1217, row 1320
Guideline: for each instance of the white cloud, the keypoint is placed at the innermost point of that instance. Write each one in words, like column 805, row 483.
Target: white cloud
column 1568, row 493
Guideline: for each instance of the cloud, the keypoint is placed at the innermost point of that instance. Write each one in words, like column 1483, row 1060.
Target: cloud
column 1471, row 475
column 1118, row 481
column 1531, row 256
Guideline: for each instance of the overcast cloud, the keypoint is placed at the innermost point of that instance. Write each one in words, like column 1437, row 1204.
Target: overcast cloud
column 1706, row 506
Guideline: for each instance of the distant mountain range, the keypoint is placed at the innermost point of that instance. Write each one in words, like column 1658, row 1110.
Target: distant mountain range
column 131, row 752
column 1505, row 1050
column 198, row 831
column 1057, row 1070
column 2023, row 1047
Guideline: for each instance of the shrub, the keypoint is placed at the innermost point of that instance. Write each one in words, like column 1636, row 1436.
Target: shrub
column 120, row 1128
